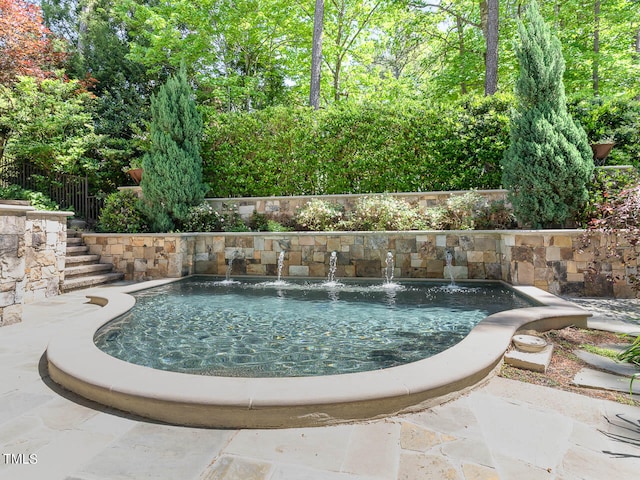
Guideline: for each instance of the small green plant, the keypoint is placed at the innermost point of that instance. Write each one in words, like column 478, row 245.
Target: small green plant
column 122, row 214
column 632, row 355
column 319, row 215
column 383, row 212
column 38, row 200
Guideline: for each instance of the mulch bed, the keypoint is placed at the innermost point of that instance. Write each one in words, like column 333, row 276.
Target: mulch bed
column 565, row 365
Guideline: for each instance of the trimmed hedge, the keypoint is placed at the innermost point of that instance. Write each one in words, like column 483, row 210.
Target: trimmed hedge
column 350, row 148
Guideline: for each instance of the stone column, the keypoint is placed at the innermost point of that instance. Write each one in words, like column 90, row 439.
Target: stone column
column 12, row 262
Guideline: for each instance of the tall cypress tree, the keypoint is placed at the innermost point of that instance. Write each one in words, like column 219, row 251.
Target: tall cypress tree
column 172, row 179
column 549, row 161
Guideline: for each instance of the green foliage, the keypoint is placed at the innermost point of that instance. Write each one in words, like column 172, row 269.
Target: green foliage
column 548, row 161
column 631, row 354
column 48, row 123
column 616, row 117
column 122, row 213
column 172, row 179
column 351, row 148
column 38, row 199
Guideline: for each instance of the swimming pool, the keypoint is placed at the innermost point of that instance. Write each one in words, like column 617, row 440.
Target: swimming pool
column 254, row 328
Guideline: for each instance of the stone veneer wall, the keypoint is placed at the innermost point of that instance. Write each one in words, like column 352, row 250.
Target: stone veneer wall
column 553, row 260
column 289, row 205
column 32, row 254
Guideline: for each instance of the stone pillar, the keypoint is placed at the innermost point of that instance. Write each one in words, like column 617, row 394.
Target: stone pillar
column 12, row 262
column 33, row 247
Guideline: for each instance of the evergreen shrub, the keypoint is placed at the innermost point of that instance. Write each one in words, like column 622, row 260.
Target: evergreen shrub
column 548, row 162
column 172, row 180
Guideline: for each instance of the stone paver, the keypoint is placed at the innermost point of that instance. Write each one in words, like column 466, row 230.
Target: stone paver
column 502, row 430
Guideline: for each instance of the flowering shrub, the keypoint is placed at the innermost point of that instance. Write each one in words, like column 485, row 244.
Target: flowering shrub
column 319, row 215
column 383, row 213
column 203, row 218
column 470, row 211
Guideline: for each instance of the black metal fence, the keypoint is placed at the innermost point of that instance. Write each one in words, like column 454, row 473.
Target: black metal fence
column 71, row 192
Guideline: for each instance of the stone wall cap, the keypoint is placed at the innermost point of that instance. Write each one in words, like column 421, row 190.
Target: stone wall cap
column 51, row 213
column 6, row 209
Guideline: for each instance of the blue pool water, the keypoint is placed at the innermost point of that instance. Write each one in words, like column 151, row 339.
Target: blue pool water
column 204, row 326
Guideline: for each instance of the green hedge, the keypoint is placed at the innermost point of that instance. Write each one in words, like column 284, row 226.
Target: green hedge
column 349, row 148
column 400, row 147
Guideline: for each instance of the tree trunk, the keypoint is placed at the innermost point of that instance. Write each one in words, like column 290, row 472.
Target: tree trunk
column 316, row 54
column 596, row 47
column 491, row 54
column 461, row 49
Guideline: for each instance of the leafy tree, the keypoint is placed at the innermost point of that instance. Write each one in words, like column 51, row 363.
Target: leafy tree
column 48, row 123
column 172, row 180
column 98, row 42
column 548, row 162
column 26, row 45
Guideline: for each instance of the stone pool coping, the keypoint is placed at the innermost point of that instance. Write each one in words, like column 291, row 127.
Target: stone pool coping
column 232, row 402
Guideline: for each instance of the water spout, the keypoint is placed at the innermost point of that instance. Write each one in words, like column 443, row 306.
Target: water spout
column 388, row 272
column 234, row 255
column 333, row 261
column 449, row 260
column 280, row 265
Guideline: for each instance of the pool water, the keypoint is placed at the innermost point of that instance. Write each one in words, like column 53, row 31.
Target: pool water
column 204, row 326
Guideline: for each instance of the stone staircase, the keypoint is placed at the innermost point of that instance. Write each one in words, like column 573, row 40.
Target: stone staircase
column 83, row 270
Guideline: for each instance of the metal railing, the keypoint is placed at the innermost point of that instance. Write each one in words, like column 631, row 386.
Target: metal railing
column 71, row 192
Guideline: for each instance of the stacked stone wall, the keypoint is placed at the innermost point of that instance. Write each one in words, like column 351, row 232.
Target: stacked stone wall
column 560, row 261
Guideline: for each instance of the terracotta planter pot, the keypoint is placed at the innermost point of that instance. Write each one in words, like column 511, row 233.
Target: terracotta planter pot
column 601, row 150
column 136, row 175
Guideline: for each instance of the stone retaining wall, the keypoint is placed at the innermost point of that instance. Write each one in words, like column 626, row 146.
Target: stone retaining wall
column 289, row 205
column 553, row 260
column 32, row 254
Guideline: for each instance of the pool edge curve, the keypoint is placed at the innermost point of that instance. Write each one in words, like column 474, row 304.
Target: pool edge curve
column 76, row 364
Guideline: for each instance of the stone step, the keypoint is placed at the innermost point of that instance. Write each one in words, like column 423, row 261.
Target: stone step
column 73, row 234
column 79, row 250
column 90, row 281
column 88, row 269
column 607, row 364
column 76, row 260
column 588, row 377
column 74, row 241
